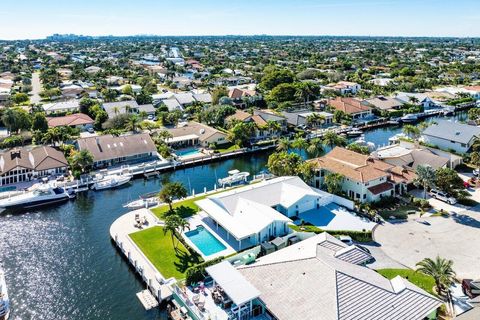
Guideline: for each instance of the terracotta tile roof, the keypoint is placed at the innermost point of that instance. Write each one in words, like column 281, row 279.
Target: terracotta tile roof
column 473, row 88
column 355, row 166
column 348, row 105
column 259, row 121
column 40, row 158
column 239, row 115
column 70, row 120
column 381, row 188
column 238, row 93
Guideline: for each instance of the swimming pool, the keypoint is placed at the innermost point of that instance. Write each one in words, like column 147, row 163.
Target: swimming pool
column 187, row 152
column 205, row 241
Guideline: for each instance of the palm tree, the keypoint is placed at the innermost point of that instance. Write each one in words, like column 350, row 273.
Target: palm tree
column 283, row 144
column 171, row 225
column 411, row 131
column 475, row 159
column 52, row 135
column 440, row 269
column 273, row 126
column 315, row 148
column 132, row 123
column 413, row 100
column 82, row 159
column 315, row 119
column 333, row 182
column 425, row 178
column 300, row 143
column 332, row 139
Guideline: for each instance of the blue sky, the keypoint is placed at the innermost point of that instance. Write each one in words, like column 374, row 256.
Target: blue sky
column 20, row 19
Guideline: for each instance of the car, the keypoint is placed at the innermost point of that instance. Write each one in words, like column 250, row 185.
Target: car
column 471, row 287
column 442, row 196
column 476, row 172
column 91, row 130
column 150, row 117
column 346, row 239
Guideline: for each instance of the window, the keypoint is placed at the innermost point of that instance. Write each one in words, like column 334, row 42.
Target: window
column 357, row 195
column 364, row 196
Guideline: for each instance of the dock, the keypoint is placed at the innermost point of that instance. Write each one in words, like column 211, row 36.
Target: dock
column 147, row 299
column 157, row 285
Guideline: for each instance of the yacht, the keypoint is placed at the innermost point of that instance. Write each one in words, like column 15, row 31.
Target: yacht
column 4, row 302
column 38, row 195
column 234, row 176
column 111, row 181
column 354, row 133
column 409, row 118
column 146, row 201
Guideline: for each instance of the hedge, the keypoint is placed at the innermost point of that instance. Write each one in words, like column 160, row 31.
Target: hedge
column 359, row 236
column 196, row 273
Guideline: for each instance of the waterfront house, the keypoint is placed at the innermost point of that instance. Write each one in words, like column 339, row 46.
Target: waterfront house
column 77, row 120
column 317, row 278
column 411, row 155
column 23, row 164
column 109, row 150
column 127, row 107
column 385, row 103
column 353, row 107
column 261, row 119
column 365, row 178
column 194, row 133
column 72, row 105
column 415, row 98
column 257, row 213
column 302, row 118
column 448, row 135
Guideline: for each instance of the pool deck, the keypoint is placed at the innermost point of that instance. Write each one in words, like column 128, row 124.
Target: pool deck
column 197, row 220
column 334, row 217
column 120, row 231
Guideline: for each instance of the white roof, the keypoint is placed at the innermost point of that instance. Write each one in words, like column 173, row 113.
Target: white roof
column 182, row 138
column 248, row 210
column 233, row 283
column 64, row 105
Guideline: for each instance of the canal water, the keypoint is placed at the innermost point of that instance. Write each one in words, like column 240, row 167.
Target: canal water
column 61, row 264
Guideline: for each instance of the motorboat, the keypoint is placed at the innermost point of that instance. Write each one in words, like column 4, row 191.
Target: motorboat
column 4, row 301
column 409, row 118
column 38, row 195
column 234, row 176
column 111, row 181
column 448, row 111
column 145, row 201
column 354, row 133
column 395, row 139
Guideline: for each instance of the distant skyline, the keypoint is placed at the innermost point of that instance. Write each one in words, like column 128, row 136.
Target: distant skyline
column 34, row 19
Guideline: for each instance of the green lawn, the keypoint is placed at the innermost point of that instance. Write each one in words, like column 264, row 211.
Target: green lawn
column 419, row 279
column 184, row 208
column 170, row 260
column 228, row 149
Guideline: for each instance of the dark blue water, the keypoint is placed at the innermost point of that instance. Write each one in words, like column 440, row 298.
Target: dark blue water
column 60, row 263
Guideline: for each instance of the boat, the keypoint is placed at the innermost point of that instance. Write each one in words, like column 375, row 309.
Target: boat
column 111, row 181
column 146, row 201
column 38, row 195
column 396, row 138
column 448, row 111
column 409, row 118
column 354, row 133
column 4, row 301
column 234, row 176
column 362, row 142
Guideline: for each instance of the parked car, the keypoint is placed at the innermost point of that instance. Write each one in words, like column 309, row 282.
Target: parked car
column 346, row 239
column 471, row 287
column 476, row 172
column 442, row 196
column 150, row 117
column 91, row 130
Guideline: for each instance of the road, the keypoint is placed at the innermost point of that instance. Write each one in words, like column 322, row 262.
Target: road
column 36, row 88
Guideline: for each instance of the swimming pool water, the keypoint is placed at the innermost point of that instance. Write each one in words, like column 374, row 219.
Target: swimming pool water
column 205, row 241
column 189, row 152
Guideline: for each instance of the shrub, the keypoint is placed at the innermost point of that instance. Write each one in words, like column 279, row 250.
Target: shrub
column 197, row 273
column 360, row 236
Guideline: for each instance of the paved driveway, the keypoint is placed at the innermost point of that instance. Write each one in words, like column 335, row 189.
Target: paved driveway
column 456, row 237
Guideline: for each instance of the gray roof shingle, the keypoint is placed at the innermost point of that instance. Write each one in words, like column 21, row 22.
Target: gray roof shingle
column 452, row 131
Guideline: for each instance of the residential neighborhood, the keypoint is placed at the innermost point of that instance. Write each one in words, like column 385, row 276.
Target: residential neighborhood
column 194, row 162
